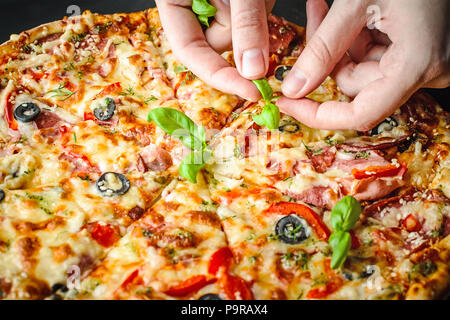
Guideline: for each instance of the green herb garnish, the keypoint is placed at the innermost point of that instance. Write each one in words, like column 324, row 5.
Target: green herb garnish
column 204, row 11
column 343, row 218
column 270, row 115
column 178, row 125
column 62, row 92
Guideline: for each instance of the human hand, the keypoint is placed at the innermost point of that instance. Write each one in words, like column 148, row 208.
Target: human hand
column 241, row 25
column 380, row 68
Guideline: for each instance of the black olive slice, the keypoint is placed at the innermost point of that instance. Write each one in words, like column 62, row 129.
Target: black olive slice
column 210, row 296
column 292, row 229
column 281, row 72
column 2, row 195
column 105, row 109
column 289, row 127
column 112, row 183
column 59, row 287
column 26, row 112
column 387, row 125
column 368, row 271
column 347, row 275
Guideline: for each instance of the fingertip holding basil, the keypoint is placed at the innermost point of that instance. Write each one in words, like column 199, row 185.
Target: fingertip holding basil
column 270, row 115
column 204, row 10
column 180, row 126
column 344, row 216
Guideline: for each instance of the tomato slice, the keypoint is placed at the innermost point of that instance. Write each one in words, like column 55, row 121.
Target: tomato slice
column 303, row 211
column 234, row 287
column 130, row 278
column 222, row 258
column 391, row 170
column 105, row 235
column 189, row 286
column 112, row 88
column 334, row 282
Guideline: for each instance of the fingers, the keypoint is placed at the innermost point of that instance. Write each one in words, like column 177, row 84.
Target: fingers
column 334, row 36
column 190, row 47
column 316, row 10
column 352, row 77
column 375, row 102
column 250, row 37
column 366, row 47
column 218, row 34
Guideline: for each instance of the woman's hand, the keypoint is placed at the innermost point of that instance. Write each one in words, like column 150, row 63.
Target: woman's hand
column 238, row 24
column 381, row 68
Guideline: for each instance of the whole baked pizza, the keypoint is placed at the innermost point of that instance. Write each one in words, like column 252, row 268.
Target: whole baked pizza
column 98, row 198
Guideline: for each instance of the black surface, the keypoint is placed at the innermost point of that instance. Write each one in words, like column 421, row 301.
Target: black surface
column 20, row 15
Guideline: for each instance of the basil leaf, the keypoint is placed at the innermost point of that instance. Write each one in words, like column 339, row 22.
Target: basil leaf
column 340, row 242
column 177, row 124
column 345, row 214
column 269, row 116
column 204, row 20
column 204, row 10
column 265, row 89
column 193, row 163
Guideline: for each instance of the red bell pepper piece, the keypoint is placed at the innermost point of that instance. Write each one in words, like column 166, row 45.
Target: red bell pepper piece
column 88, row 116
column 356, row 243
column 306, row 213
column 9, row 117
column 105, row 235
column 391, row 170
column 411, row 224
column 110, row 89
column 191, row 285
column 222, row 258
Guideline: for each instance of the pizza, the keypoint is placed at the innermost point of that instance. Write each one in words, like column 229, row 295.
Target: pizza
column 94, row 203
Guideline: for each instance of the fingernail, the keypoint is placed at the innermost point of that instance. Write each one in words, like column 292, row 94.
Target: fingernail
column 226, row 2
column 294, row 83
column 252, row 63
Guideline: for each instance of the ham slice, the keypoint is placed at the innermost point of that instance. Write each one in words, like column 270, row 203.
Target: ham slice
column 319, row 196
column 348, row 162
column 323, row 160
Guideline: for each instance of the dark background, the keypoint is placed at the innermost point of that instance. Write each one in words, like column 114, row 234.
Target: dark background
column 21, row 15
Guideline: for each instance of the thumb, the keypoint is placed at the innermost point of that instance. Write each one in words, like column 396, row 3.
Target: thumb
column 329, row 43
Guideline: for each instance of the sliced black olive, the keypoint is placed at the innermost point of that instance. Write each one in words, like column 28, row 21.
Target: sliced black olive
column 55, row 297
column 347, row 275
column 210, row 296
column 289, row 127
column 112, row 183
column 368, row 271
column 26, row 112
column 292, row 229
column 281, row 72
column 387, row 125
column 59, row 287
column 105, row 109
column 2, row 195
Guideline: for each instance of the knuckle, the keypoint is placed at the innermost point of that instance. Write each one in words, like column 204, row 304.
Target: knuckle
column 247, row 19
column 320, row 50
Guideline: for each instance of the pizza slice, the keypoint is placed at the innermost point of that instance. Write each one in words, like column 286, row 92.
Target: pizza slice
column 166, row 254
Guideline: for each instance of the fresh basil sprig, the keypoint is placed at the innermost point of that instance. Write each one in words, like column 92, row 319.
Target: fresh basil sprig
column 270, row 114
column 179, row 125
column 343, row 218
column 203, row 10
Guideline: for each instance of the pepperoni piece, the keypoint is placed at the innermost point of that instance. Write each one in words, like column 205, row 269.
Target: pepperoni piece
column 322, row 160
column 281, row 35
column 46, row 119
column 234, row 287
